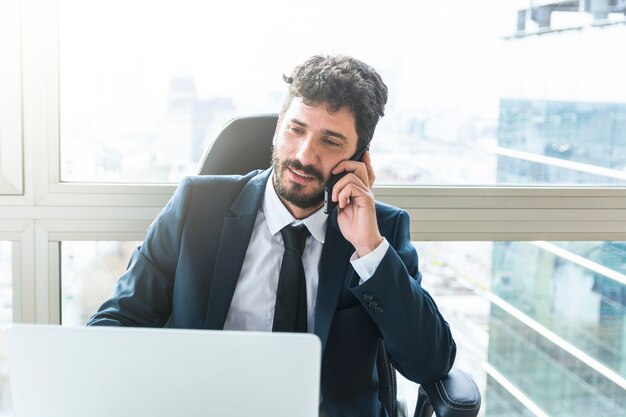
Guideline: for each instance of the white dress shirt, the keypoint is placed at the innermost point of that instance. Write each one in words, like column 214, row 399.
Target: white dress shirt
column 252, row 306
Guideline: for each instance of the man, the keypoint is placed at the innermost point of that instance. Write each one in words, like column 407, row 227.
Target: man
column 212, row 257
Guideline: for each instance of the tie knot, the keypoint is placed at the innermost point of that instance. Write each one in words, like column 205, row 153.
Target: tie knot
column 295, row 237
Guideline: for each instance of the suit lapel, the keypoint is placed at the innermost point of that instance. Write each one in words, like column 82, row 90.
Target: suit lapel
column 333, row 268
column 234, row 238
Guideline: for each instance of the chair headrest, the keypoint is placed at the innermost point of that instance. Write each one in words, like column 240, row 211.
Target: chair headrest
column 242, row 145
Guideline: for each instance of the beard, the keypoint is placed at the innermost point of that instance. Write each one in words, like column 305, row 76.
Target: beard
column 295, row 193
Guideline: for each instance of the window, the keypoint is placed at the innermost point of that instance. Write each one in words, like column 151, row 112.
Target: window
column 89, row 271
column 461, row 112
column 546, row 318
column 502, row 126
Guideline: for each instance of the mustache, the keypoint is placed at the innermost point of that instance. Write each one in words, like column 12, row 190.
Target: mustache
column 307, row 169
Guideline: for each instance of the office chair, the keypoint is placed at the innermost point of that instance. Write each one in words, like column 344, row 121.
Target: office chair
column 244, row 144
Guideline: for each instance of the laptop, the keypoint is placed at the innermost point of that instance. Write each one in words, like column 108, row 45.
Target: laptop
column 60, row 371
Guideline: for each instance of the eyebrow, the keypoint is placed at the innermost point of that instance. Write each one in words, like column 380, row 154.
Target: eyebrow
column 327, row 132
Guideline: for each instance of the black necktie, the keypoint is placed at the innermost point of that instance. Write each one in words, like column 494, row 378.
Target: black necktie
column 290, row 314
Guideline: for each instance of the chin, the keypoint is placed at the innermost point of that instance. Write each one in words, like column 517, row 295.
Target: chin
column 294, row 194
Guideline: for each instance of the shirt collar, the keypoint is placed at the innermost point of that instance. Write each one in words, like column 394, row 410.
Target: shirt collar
column 277, row 216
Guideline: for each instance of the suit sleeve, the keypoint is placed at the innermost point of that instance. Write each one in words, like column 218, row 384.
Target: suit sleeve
column 143, row 294
column 416, row 336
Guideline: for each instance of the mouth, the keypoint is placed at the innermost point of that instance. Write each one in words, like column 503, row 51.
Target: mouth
column 299, row 176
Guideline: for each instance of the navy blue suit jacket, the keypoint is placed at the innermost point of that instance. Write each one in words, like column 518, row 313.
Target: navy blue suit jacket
column 184, row 275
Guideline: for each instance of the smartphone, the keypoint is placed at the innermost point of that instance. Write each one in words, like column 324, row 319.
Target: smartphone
column 329, row 204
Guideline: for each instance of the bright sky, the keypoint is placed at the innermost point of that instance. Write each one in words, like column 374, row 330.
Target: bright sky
column 442, row 60
column 119, row 56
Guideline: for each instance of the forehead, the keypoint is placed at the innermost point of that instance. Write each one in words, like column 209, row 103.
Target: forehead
column 317, row 117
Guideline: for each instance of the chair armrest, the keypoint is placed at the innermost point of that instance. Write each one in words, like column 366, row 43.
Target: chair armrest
column 455, row 395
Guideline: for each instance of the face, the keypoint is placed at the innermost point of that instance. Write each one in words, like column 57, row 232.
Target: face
column 308, row 143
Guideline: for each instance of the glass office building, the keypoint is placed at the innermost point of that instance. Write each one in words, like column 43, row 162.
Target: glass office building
column 556, row 330
column 557, row 325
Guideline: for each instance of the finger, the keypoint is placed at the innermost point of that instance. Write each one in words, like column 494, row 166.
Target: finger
column 371, row 176
column 349, row 178
column 352, row 193
column 355, row 195
column 357, row 168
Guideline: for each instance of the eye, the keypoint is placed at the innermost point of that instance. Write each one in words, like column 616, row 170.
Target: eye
column 296, row 129
column 331, row 143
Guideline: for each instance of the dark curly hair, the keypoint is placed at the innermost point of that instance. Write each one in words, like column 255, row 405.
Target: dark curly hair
column 339, row 81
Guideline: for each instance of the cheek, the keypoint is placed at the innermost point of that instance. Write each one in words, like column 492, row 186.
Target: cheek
column 280, row 149
column 327, row 169
column 283, row 145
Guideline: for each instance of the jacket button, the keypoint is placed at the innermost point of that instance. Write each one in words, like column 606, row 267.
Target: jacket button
column 378, row 309
column 373, row 304
column 368, row 297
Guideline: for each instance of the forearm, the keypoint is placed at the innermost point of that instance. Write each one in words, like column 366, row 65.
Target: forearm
column 142, row 297
column 416, row 335
column 143, row 294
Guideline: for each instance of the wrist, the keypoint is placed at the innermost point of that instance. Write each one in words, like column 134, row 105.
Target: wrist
column 365, row 249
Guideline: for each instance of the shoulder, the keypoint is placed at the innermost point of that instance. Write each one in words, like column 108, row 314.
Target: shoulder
column 218, row 181
column 222, row 185
column 216, row 191
column 386, row 212
column 393, row 222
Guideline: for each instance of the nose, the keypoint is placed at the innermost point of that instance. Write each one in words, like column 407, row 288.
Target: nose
column 306, row 152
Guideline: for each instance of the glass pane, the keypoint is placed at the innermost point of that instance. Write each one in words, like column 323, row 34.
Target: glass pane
column 481, row 92
column 89, row 271
column 6, row 317
column 550, row 317
column 577, row 290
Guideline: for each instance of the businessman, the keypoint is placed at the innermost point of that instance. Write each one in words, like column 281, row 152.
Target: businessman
column 221, row 253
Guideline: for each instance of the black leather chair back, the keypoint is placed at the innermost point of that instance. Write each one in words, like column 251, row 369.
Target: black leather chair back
column 242, row 145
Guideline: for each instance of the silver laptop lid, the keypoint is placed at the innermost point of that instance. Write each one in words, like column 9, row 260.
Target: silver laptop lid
column 113, row 372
